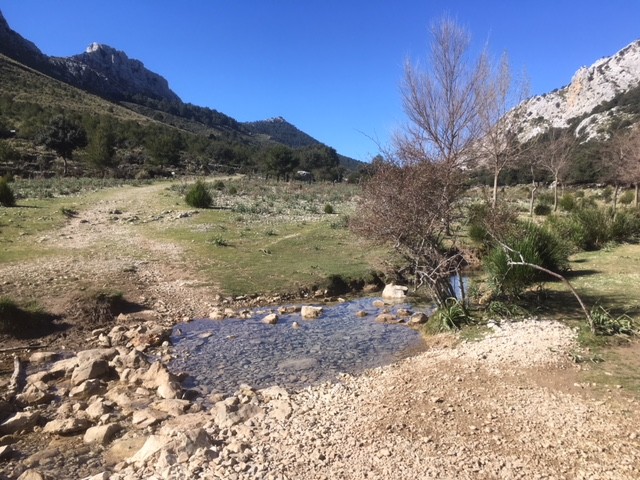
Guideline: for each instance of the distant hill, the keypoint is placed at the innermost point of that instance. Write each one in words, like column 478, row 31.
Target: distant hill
column 126, row 83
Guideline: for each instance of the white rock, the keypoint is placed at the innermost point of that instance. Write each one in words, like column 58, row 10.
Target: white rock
column 309, row 311
column 392, row 291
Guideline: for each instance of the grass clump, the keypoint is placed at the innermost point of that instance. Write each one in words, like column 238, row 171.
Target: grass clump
column 607, row 325
column 7, row 198
column 450, row 317
column 328, row 209
column 198, row 196
column 533, row 244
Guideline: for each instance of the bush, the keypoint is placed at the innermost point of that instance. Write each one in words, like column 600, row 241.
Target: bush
column 7, row 198
column 538, row 246
column 545, row 198
column 219, row 185
column 625, row 226
column 451, row 316
column 568, row 202
column 627, row 197
column 232, row 190
column 198, row 196
column 607, row 194
column 328, row 209
column 542, row 209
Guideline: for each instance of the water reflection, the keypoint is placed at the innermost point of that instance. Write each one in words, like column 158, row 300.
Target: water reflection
column 221, row 355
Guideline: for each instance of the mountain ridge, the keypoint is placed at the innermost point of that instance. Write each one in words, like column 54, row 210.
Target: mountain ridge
column 582, row 104
column 109, row 73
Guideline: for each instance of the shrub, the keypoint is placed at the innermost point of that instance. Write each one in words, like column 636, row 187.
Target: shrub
column 328, row 209
column 567, row 202
column 538, row 246
column 219, row 185
column 625, row 226
column 626, row 198
column 545, row 198
column 7, row 198
column 233, row 190
column 585, row 228
column 542, row 209
column 607, row 194
column 451, row 316
column 198, row 196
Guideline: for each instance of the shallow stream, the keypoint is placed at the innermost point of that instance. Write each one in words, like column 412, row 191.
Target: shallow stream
column 220, row 355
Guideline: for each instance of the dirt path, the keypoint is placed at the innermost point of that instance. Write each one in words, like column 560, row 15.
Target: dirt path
column 105, row 247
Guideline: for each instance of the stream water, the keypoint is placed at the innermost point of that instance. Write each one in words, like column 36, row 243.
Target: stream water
column 222, row 355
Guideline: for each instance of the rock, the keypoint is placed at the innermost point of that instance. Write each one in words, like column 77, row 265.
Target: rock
column 88, row 389
column 216, row 314
column 122, row 449
column 43, row 357
column 273, row 393
column 361, row 313
column 5, row 452
column 99, row 476
column 385, row 318
column 309, row 311
column 89, row 369
column 35, row 394
column 295, row 325
column 280, row 409
column 270, row 319
column 147, row 417
column 403, row 312
column 378, row 304
column 101, row 434
column 169, row 390
column 173, row 407
column 97, row 409
column 225, row 415
column 19, row 422
column 418, row 318
column 32, row 475
column 66, row 426
column 95, row 354
column 394, row 292
column 284, row 310
column 152, row 445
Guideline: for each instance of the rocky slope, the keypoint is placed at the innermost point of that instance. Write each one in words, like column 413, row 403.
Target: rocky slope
column 604, row 81
column 104, row 69
column 101, row 70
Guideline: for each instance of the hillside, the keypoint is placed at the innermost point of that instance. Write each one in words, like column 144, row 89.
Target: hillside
column 598, row 98
column 150, row 130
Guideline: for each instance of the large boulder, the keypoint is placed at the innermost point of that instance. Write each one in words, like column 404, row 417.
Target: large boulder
column 394, row 292
column 309, row 311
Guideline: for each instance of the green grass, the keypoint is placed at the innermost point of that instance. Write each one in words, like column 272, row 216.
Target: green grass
column 253, row 260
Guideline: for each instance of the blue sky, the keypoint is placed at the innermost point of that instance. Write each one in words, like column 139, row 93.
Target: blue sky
column 332, row 68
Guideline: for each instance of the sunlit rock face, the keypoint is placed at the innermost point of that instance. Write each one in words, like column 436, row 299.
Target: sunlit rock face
column 606, row 79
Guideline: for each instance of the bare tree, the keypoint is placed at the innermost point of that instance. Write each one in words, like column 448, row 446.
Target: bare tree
column 500, row 146
column 410, row 201
column 622, row 154
column 555, row 156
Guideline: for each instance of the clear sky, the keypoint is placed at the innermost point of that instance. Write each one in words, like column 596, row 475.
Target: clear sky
column 330, row 67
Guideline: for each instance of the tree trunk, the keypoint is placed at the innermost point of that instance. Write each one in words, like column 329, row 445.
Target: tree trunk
column 533, row 198
column 615, row 200
column 636, row 200
column 555, row 195
column 496, row 173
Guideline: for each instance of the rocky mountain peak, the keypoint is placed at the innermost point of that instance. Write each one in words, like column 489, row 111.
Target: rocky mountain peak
column 129, row 76
column 590, row 87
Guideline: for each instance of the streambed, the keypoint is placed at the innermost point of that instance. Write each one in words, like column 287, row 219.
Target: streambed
column 220, row 355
